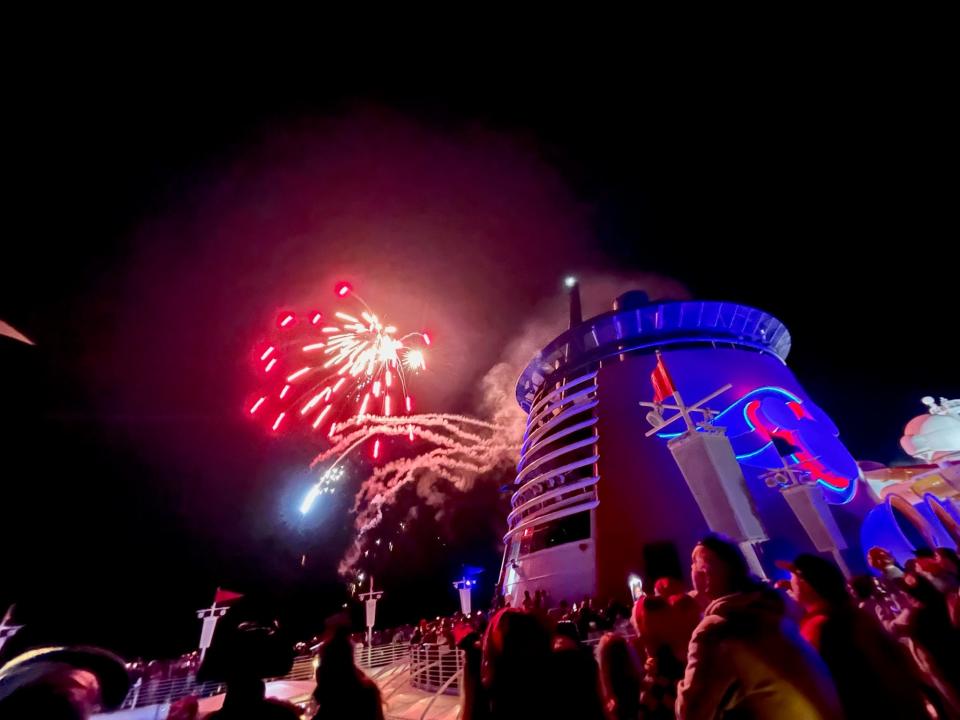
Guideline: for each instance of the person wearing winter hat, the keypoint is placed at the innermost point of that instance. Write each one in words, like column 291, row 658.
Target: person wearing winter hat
column 872, row 671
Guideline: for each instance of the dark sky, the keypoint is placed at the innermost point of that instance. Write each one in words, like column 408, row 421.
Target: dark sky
column 158, row 214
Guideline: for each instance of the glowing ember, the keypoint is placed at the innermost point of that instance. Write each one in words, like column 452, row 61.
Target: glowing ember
column 320, row 417
column 415, row 360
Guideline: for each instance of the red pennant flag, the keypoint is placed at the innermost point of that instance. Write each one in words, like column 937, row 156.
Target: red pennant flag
column 662, row 382
column 222, row 597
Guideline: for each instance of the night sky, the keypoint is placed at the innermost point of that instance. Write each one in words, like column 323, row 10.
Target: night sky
column 158, row 219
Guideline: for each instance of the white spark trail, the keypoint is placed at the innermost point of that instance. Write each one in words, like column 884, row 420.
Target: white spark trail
column 456, row 448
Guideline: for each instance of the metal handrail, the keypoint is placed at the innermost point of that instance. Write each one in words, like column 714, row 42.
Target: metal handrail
column 167, row 690
column 435, row 672
column 381, row 655
column 432, row 668
column 402, row 673
column 458, row 676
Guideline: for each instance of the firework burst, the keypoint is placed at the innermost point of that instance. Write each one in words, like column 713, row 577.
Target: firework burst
column 346, row 377
column 319, row 373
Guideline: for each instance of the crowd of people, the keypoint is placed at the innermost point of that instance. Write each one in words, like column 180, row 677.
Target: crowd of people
column 153, row 671
column 586, row 615
column 813, row 646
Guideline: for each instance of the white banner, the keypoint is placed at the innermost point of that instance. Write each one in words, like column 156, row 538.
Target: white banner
column 717, row 484
column 465, row 600
column 206, row 633
column 814, row 514
column 371, row 613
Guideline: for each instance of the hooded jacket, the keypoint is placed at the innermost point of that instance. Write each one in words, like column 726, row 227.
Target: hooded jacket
column 746, row 660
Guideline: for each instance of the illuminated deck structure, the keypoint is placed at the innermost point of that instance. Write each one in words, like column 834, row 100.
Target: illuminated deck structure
column 596, row 501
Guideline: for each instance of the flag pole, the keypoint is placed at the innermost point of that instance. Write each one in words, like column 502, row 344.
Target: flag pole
column 706, row 460
column 684, row 412
column 210, row 616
